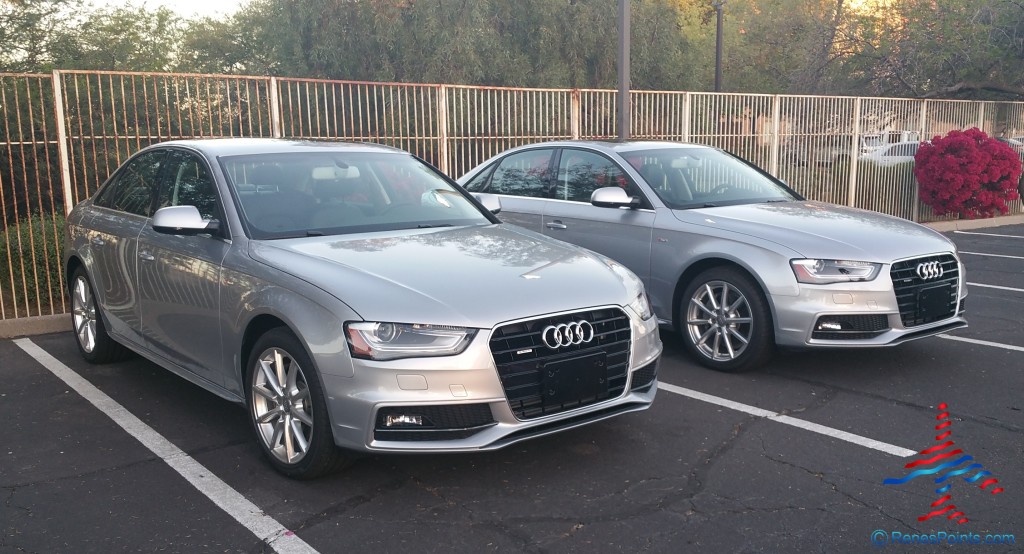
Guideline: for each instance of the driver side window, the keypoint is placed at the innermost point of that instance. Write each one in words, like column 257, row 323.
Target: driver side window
column 580, row 173
column 188, row 183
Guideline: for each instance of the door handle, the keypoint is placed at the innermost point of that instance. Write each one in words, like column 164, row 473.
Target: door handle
column 556, row 224
column 146, row 256
column 97, row 241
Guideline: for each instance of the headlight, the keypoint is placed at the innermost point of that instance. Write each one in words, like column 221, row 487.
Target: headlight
column 641, row 306
column 821, row 272
column 389, row 341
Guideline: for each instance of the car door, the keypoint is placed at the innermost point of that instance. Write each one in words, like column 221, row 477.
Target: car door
column 523, row 180
column 619, row 233
column 179, row 275
column 121, row 211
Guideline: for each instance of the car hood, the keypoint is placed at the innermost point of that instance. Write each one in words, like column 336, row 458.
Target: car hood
column 820, row 230
column 466, row 276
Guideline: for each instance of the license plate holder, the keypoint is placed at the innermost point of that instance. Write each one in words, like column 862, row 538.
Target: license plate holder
column 575, row 379
column 934, row 302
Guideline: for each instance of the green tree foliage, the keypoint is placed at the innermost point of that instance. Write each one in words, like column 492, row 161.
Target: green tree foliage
column 929, row 48
column 27, row 28
column 128, row 38
column 917, row 48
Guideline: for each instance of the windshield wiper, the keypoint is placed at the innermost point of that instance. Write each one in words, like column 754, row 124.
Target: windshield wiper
column 429, row 226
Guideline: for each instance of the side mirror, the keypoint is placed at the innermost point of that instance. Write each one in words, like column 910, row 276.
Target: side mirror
column 613, row 197
column 491, row 202
column 183, row 220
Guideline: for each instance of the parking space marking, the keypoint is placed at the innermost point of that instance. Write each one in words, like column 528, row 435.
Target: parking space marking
column 988, row 234
column 995, row 287
column 992, row 255
column 983, row 342
column 795, row 422
column 226, row 498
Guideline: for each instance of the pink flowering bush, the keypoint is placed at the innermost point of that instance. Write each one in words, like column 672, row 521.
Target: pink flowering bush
column 967, row 173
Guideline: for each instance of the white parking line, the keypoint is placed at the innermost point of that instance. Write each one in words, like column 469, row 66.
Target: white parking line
column 992, row 255
column 231, row 501
column 988, row 234
column 802, row 424
column 995, row 287
column 983, row 342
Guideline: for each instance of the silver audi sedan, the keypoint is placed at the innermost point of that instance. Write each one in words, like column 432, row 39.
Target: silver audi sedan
column 733, row 259
column 350, row 295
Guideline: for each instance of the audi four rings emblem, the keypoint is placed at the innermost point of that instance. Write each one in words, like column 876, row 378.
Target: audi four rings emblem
column 566, row 334
column 929, row 270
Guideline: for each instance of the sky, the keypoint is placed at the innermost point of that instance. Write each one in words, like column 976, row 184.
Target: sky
column 184, row 8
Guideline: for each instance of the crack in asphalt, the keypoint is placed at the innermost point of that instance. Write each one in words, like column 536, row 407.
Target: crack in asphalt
column 835, row 487
column 980, row 420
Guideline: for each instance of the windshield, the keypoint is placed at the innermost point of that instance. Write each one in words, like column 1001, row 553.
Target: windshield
column 289, row 195
column 703, row 177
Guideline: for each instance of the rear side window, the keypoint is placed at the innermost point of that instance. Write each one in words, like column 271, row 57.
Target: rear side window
column 523, row 174
column 135, row 185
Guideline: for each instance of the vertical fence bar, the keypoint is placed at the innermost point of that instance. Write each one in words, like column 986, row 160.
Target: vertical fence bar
column 776, row 125
column 575, row 114
column 851, row 196
column 442, row 129
column 275, row 108
column 62, row 143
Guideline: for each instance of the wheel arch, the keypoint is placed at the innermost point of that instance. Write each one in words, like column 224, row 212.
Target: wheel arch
column 708, row 263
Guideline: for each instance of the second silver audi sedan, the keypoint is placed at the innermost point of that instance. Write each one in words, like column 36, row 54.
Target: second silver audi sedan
column 732, row 258
column 350, row 295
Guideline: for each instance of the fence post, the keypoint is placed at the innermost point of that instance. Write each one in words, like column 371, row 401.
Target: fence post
column 62, row 143
column 687, row 105
column 851, row 193
column 443, row 163
column 275, row 109
column 915, row 202
column 776, row 132
column 981, row 116
column 575, row 113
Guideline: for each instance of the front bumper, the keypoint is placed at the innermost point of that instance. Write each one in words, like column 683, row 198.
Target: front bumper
column 466, row 394
column 798, row 319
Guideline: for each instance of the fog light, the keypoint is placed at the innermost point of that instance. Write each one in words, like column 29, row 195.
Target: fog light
column 394, row 420
column 829, row 326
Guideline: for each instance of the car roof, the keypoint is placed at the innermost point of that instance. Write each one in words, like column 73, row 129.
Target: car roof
column 215, row 147
column 616, row 145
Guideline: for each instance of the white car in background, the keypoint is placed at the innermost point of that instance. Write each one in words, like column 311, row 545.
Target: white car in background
column 893, row 154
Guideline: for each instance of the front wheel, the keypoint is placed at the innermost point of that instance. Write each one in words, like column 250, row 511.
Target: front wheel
column 287, row 408
column 726, row 323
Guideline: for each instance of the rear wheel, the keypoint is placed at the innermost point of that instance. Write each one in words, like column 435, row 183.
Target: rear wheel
column 287, row 408
column 726, row 323
column 94, row 343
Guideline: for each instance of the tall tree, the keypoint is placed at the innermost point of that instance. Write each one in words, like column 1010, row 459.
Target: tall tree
column 26, row 29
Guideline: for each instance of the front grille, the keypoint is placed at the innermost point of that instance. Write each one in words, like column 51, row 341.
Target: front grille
column 539, row 381
column 440, row 422
column 921, row 300
column 853, row 326
column 644, row 377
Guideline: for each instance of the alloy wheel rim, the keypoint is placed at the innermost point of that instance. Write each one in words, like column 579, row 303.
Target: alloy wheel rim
column 281, row 406
column 84, row 314
column 719, row 321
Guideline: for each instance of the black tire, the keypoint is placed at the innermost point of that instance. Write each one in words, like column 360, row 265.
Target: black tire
column 94, row 343
column 301, row 400
column 735, row 337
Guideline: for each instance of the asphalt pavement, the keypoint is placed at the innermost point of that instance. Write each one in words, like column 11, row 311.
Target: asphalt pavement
column 789, row 457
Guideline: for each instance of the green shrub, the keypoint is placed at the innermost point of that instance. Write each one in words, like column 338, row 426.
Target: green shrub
column 30, row 260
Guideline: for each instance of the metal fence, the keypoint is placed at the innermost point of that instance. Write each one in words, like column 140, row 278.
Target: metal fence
column 61, row 134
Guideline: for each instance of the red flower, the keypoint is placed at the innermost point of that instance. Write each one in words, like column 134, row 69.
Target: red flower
column 967, row 173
